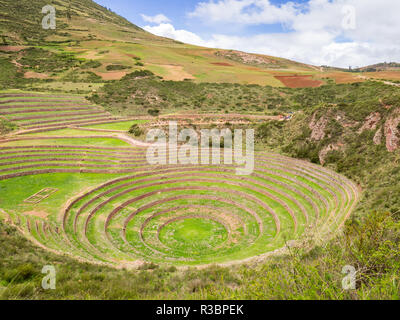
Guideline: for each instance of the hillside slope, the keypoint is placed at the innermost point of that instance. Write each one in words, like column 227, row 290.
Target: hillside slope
column 90, row 31
column 354, row 130
column 21, row 20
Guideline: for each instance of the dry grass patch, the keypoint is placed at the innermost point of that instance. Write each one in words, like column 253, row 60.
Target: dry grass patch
column 39, row 214
column 35, row 75
column 117, row 75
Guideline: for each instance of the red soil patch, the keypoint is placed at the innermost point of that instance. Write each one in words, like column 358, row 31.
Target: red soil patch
column 35, row 75
column 11, row 48
column 296, row 81
column 223, row 64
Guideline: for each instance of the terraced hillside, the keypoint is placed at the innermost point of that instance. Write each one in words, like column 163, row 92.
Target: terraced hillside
column 33, row 112
column 97, row 199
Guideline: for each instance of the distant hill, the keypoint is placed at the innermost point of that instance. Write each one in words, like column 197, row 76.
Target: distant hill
column 385, row 66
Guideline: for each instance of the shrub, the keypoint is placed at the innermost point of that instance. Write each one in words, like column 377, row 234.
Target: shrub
column 153, row 112
column 22, row 273
column 136, row 130
column 46, row 61
column 91, row 64
column 373, row 244
column 6, row 126
column 112, row 67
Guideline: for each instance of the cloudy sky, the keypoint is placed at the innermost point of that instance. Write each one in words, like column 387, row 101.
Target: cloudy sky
column 321, row 32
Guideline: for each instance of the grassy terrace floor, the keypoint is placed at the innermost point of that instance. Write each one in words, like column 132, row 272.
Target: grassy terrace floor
column 33, row 112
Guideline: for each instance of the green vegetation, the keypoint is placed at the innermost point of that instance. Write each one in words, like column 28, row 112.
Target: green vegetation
column 114, row 67
column 85, row 76
column 193, row 235
column 346, row 108
column 122, row 126
column 10, row 76
column 147, row 94
column 136, row 130
column 46, row 61
column 91, row 64
column 6, row 126
column 29, row 28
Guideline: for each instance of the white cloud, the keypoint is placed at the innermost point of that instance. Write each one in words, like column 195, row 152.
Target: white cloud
column 159, row 18
column 245, row 11
column 317, row 30
column 168, row 30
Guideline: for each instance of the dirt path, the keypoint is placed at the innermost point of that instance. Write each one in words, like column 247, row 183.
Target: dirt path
column 377, row 80
column 132, row 141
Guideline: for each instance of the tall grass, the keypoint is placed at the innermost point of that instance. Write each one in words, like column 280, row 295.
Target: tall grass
column 313, row 271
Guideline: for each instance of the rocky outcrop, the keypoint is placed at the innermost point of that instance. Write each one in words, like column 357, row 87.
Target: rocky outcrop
column 318, row 127
column 378, row 137
column 248, row 58
column 392, row 131
column 371, row 122
column 331, row 147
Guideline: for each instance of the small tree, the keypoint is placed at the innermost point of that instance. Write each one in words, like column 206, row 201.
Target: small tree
column 4, row 38
column 136, row 130
column 154, row 112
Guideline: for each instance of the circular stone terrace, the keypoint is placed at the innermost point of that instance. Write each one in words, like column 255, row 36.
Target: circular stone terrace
column 181, row 214
column 177, row 214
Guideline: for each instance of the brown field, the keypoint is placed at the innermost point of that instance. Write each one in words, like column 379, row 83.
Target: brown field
column 111, row 75
column 296, row 81
column 387, row 75
column 11, row 48
column 342, row 77
column 223, row 64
